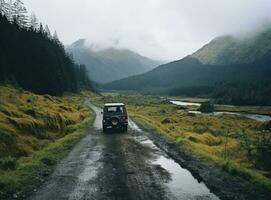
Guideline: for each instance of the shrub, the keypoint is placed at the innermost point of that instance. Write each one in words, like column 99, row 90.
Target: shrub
column 266, row 126
column 206, row 107
column 200, row 129
column 8, row 163
column 263, row 147
column 258, row 148
column 168, row 121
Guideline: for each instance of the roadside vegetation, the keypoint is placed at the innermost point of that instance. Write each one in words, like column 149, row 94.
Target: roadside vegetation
column 36, row 131
column 236, row 144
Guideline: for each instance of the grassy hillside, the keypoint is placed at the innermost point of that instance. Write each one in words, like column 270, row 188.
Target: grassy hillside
column 110, row 64
column 228, row 50
column 238, row 145
column 35, row 132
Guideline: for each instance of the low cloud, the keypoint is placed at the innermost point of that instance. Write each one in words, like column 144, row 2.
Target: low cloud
column 160, row 29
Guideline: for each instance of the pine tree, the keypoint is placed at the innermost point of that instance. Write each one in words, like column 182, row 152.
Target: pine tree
column 33, row 22
column 10, row 11
column 3, row 7
column 47, row 32
column 60, row 44
column 20, row 14
column 41, row 29
column 56, row 38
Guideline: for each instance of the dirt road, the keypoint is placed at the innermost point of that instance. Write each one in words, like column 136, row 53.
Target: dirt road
column 120, row 166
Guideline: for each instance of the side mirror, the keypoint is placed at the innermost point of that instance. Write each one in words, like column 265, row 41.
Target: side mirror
column 102, row 112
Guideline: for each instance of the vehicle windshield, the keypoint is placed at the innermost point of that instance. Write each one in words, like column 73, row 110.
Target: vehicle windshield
column 114, row 109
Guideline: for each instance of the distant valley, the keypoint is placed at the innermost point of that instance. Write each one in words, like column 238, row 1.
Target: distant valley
column 229, row 69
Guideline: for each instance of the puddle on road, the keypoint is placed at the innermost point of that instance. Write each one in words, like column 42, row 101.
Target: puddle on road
column 182, row 184
column 91, row 168
column 133, row 126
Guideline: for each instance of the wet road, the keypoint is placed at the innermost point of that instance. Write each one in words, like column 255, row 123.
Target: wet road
column 120, row 166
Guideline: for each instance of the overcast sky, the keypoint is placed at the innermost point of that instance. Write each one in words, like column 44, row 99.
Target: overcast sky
column 160, row 29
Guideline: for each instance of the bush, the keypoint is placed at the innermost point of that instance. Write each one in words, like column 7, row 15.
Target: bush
column 200, row 129
column 267, row 126
column 8, row 163
column 206, row 107
column 258, row 148
column 263, row 147
column 168, row 121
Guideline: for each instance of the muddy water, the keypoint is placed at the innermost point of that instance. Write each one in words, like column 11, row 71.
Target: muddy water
column 182, row 183
column 261, row 118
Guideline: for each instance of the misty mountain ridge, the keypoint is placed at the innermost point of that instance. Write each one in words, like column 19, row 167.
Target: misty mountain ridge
column 236, row 49
column 229, row 69
column 107, row 64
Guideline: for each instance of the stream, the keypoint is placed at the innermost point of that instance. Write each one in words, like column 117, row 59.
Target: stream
column 258, row 117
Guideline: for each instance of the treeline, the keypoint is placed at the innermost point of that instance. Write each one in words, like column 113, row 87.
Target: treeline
column 236, row 93
column 243, row 93
column 246, row 84
column 34, row 59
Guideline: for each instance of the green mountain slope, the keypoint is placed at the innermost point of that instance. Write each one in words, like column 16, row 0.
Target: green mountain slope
column 110, row 64
column 189, row 72
column 238, row 74
column 228, row 50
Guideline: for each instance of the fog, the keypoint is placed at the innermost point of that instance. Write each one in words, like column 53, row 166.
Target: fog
column 159, row 29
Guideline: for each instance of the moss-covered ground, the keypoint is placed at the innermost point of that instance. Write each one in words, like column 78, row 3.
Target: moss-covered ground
column 36, row 131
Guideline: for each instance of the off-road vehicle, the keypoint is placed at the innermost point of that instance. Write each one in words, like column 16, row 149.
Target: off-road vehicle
column 115, row 117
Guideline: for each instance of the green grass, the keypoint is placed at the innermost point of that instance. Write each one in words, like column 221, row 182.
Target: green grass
column 28, row 121
column 253, row 176
column 31, row 170
column 264, row 110
column 36, row 131
column 139, row 99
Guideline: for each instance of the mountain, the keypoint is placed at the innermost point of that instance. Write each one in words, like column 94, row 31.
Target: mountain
column 228, row 50
column 229, row 69
column 189, row 72
column 109, row 64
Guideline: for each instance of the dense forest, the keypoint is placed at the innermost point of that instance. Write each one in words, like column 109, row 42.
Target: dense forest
column 34, row 59
column 227, row 92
